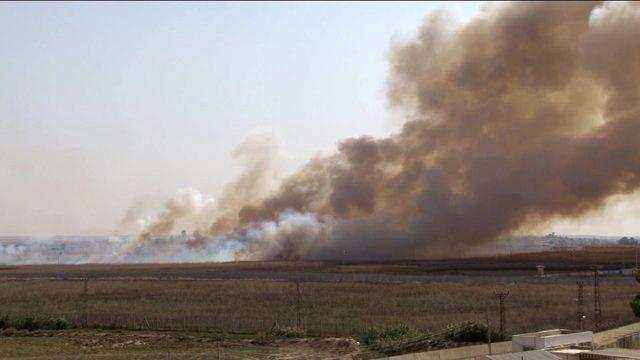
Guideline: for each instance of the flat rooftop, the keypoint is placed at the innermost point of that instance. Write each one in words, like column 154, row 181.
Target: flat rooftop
column 570, row 351
column 618, row 353
column 552, row 332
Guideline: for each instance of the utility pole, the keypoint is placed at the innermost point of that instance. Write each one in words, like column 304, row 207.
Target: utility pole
column 86, row 303
column 636, row 243
column 580, row 303
column 501, row 295
column 298, row 305
column 597, row 310
column 489, row 331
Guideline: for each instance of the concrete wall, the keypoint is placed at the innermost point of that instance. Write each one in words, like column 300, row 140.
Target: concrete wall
column 624, row 337
column 568, row 339
column 473, row 352
column 627, row 342
column 519, row 342
column 539, row 341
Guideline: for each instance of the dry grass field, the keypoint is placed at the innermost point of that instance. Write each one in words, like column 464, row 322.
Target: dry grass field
column 148, row 345
column 326, row 308
column 607, row 257
column 195, row 310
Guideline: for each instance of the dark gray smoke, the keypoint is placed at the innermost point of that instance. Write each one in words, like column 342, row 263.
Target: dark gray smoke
column 528, row 112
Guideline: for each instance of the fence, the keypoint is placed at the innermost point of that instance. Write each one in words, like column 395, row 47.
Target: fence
column 321, row 308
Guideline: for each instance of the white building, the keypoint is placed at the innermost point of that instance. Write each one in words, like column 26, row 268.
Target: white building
column 551, row 339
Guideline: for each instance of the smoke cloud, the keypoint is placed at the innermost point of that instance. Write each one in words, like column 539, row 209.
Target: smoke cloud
column 526, row 113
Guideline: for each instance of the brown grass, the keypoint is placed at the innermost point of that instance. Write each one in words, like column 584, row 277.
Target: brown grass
column 608, row 257
column 327, row 308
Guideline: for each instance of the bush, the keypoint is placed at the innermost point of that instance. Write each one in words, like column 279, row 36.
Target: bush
column 374, row 336
column 263, row 338
column 30, row 323
column 398, row 339
column 627, row 241
column 57, row 324
column 635, row 305
column 469, row 331
column 289, row 332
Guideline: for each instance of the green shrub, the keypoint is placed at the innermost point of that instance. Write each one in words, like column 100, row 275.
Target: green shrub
column 374, row 336
column 469, row 331
column 397, row 340
column 635, row 305
column 289, row 332
column 263, row 338
column 30, row 323
column 57, row 324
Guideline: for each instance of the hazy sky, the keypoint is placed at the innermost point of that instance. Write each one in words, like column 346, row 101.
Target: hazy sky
column 106, row 105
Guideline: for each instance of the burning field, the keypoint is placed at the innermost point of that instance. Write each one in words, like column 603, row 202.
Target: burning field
column 526, row 113
column 295, row 309
column 337, row 299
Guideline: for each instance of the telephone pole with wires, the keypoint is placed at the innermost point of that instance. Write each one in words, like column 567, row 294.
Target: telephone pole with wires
column 580, row 305
column 502, row 295
column 597, row 306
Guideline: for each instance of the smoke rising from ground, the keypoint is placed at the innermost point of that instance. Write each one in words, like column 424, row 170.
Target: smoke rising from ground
column 526, row 113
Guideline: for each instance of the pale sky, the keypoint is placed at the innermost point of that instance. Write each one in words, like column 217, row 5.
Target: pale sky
column 105, row 105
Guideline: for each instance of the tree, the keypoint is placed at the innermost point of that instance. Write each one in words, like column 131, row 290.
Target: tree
column 627, row 241
column 635, row 304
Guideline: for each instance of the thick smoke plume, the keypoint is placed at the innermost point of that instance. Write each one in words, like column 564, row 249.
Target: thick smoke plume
column 528, row 112
column 189, row 206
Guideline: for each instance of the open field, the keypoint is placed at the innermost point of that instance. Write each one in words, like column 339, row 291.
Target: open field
column 607, row 257
column 233, row 303
column 326, row 308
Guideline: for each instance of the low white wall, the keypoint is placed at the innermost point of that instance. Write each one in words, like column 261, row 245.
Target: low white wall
column 466, row 352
